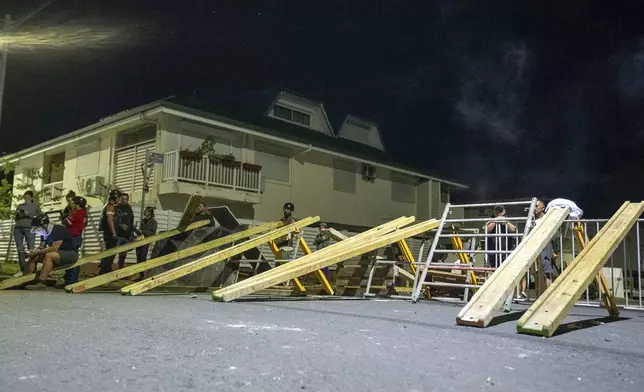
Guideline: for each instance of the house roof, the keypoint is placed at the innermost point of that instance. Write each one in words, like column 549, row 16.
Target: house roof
column 249, row 112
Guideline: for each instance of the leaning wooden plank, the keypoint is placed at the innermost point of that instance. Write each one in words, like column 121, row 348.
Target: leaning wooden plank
column 487, row 300
column 106, row 253
column 316, row 261
column 278, row 255
column 336, row 235
column 337, row 247
column 189, row 211
column 546, row 314
column 203, row 262
column 169, row 258
column 304, row 247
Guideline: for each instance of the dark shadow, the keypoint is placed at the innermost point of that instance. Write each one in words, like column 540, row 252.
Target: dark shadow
column 506, row 317
column 583, row 324
column 298, row 298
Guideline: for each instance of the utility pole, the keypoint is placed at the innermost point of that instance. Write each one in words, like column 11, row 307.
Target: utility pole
column 4, row 47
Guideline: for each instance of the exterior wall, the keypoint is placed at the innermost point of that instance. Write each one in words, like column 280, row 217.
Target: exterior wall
column 96, row 159
column 311, row 190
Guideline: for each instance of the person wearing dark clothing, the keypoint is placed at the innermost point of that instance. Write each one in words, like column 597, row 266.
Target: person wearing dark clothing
column 108, row 226
column 285, row 243
column 71, row 275
column 322, row 240
column 125, row 228
column 147, row 228
column 202, row 213
column 59, row 249
column 498, row 225
column 22, row 229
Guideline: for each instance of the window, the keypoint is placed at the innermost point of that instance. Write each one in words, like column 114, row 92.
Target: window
column 445, row 195
column 344, row 176
column 87, row 160
column 55, row 168
column 292, row 115
column 402, row 189
column 275, row 162
column 130, row 138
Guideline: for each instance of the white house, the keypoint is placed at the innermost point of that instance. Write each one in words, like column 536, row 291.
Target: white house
column 280, row 147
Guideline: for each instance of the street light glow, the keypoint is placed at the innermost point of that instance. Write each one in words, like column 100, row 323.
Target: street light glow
column 70, row 37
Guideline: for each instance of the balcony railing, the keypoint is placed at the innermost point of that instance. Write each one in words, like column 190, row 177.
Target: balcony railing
column 52, row 193
column 233, row 175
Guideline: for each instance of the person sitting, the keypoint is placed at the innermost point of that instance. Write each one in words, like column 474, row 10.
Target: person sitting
column 58, row 250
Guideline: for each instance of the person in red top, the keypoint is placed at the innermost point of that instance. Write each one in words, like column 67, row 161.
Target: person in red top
column 76, row 222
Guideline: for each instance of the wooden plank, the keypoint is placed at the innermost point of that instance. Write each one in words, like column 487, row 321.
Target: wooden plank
column 546, row 314
column 607, row 297
column 406, row 274
column 304, row 247
column 189, row 211
column 488, row 299
column 317, row 261
column 159, row 261
column 168, row 276
column 106, row 253
column 278, row 255
column 336, row 235
column 345, row 244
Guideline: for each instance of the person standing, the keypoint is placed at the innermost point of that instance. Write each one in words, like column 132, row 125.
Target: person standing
column 25, row 212
column 125, row 227
column 322, row 240
column 285, row 243
column 147, row 228
column 108, row 227
column 76, row 222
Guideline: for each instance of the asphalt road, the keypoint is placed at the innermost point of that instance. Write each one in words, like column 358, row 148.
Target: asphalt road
column 52, row 341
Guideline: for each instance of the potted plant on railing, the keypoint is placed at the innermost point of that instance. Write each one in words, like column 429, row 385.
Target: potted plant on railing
column 191, row 155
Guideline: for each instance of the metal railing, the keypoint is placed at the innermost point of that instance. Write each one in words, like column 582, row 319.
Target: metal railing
column 233, row 175
column 52, row 193
column 623, row 270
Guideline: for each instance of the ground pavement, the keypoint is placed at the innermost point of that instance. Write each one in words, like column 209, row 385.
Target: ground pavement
column 52, row 341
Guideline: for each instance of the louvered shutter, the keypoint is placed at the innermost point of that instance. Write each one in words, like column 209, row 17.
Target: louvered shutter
column 128, row 176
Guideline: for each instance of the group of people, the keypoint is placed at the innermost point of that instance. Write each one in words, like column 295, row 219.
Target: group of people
column 61, row 241
column 117, row 225
column 503, row 240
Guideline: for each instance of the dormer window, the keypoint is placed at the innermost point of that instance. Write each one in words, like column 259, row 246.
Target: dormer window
column 292, row 115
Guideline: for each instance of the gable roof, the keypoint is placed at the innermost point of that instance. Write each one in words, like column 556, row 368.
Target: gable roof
column 248, row 114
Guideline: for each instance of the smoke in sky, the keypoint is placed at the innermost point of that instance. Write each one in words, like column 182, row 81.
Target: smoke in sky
column 493, row 91
column 631, row 72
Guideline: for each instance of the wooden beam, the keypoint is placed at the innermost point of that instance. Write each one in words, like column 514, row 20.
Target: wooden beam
column 278, row 255
column 488, row 299
column 168, row 276
column 189, row 211
column 106, row 253
column 100, row 280
column 345, row 244
column 336, row 235
column 546, row 314
column 304, row 247
column 317, row 261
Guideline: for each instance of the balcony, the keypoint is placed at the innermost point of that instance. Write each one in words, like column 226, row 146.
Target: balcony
column 52, row 193
column 211, row 173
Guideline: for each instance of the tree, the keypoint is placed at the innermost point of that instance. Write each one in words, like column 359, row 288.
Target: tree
column 12, row 188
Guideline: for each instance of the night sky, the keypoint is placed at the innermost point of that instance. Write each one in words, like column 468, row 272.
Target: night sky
column 515, row 98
